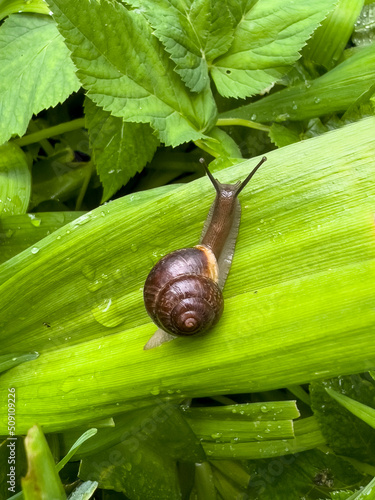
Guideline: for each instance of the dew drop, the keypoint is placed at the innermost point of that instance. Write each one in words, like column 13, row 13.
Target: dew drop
column 34, row 250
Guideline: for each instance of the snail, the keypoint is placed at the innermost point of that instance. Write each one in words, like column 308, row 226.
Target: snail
column 183, row 291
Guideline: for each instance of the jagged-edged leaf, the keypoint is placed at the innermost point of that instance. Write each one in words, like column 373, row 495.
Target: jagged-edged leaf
column 36, row 71
column 15, row 180
column 126, row 70
column 194, row 32
column 120, row 149
column 266, row 42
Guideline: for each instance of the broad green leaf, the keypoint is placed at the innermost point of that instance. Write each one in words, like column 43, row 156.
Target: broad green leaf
column 306, row 475
column 345, row 433
column 36, row 71
column 120, row 149
column 8, row 7
column 18, row 232
column 42, row 480
column 331, row 93
column 300, row 291
column 194, row 32
column 126, row 71
column 330, row 39
column 15, row 181
column 266, row 42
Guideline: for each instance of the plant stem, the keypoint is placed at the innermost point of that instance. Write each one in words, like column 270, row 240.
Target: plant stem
column 50, row 132
column 226, row 122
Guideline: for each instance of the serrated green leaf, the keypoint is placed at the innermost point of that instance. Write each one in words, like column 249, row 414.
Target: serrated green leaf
column 345, row 433
column 15, row 181
column 194, row 33
column 333, row 92
column 42, row 480
column 126, row 71
column 36, row 71
column 300, row 291
column 120, row 149
column 266, row 42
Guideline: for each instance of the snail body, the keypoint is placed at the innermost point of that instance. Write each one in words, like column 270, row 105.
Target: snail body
column 183, row 291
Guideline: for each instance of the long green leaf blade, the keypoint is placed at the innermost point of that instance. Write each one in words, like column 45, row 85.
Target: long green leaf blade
column 33, row 62
column 126, row 71
column 299, row 298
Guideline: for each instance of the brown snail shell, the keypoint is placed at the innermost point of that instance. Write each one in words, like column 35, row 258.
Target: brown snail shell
column 181, row 293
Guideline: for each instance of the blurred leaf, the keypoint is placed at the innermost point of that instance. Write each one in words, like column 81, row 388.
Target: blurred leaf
column 300, row 292
column 333, row 92
column 15, row 180
column 84, row 491
column 267, row 37
column 345, row 433
column 125, row 70
column 42, row 480
column 120, row 149
column 33, row 62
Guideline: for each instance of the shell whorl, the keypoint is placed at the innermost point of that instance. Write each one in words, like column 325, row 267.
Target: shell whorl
column 181, row 292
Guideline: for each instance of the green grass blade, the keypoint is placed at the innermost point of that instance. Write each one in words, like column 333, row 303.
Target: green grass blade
column 87, row 435
column 299, row 298
column 364, row 412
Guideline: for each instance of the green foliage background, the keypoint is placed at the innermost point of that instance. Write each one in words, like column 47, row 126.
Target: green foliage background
column 116, row 101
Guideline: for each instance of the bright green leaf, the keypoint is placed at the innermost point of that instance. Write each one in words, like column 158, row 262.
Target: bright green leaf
column 15, row 181
column 194, row 33
column 36, row 71
column 267, row 40
column 299, row 297
column 42, row 480
column 126, row 71
column 120, row 149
